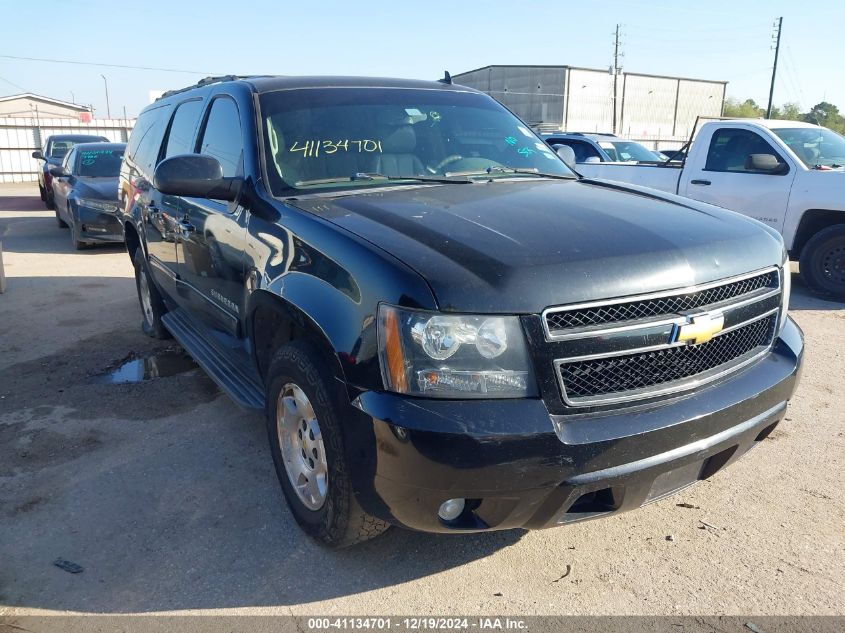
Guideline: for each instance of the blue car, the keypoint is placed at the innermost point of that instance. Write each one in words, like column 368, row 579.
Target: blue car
column 85, row 193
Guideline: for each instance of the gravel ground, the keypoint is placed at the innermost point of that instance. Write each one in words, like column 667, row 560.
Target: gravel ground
column 165, row 493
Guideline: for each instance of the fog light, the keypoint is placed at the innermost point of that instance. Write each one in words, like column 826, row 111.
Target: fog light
column 451, row 509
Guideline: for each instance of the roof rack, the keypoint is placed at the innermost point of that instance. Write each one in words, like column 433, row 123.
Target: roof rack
column 206, row 82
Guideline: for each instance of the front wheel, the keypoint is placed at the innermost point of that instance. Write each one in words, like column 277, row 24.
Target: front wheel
column 152, row 306
column 74, row 238
column 823, row 262
column 303, row 426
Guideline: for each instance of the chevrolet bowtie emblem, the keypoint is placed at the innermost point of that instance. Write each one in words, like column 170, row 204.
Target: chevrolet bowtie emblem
column 700, row 329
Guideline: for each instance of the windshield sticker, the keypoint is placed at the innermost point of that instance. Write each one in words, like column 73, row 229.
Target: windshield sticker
column 434, row 115
column 312, row 149
column 525, row 132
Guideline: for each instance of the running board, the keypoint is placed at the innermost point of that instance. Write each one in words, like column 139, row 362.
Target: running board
column 244, row 389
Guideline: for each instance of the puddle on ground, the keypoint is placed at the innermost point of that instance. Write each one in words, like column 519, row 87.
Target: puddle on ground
column 161, row 365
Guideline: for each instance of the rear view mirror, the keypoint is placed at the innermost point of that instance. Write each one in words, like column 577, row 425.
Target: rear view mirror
column 38, row 155
column 767, row 163
column 195, row 176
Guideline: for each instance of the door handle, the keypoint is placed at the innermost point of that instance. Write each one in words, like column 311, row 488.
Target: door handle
column 699, row 182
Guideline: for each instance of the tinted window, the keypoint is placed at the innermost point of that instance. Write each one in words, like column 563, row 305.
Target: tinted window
column 98, row 163
column 60, row 149
column 582, row 149
column 731, row 147
column 147, row 147
column 222, row 135
column 180, row 138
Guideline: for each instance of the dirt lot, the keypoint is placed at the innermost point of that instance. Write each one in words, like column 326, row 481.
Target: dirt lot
column 164, row 491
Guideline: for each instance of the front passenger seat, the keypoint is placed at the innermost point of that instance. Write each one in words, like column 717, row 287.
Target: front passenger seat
column 397, row 158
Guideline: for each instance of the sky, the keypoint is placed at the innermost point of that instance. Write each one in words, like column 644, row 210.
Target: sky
column 717, row 40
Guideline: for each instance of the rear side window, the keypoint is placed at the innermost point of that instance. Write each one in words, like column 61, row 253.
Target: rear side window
column 145, row 142
column 222, row 135
column 180, row 138
column 730, row 148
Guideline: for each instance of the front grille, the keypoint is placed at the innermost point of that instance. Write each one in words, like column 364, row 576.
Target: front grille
column 589, row 379
column 559, row 321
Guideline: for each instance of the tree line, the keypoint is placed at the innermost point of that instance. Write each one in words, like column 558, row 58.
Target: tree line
column 824, row 113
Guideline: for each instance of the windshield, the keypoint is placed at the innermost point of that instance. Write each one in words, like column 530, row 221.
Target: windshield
column 99, row 163
column 365, row 137
column 622, row 151
column 58, row 148
column 816, row 147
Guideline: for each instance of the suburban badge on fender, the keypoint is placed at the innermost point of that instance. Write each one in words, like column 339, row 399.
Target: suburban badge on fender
column 700, row 329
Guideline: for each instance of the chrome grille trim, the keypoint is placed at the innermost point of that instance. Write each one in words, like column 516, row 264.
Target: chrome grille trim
column 630, row 325
column 685, row 384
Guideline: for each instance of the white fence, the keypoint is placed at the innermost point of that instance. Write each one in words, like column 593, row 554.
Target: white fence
column 20, row 137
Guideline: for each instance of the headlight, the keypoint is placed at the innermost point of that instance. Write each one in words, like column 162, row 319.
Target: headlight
column 453, row 356
column 109, row 206
column 786, row 289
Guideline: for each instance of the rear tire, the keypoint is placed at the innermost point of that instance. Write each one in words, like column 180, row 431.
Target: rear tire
column 303, row 419
column 823, row 262
column 152, row 305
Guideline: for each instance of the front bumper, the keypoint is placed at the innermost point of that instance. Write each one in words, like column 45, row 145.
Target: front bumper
column 520, row 467
column 98, row 226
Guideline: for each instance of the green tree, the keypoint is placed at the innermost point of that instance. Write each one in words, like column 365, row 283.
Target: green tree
column 827, row 115
column 788, row 111
column 747, row 109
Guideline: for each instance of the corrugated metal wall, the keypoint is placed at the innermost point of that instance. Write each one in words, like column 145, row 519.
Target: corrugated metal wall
column 659, row 111
column 20, row 137
column 535, row 93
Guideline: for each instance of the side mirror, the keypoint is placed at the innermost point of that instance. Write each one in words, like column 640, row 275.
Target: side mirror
column 58, row 172
column 195, row 176
column 38, row 154
column 767, row 163
column 592, row 159
column 567, row 154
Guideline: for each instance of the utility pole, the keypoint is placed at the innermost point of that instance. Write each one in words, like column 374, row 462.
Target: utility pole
column 108, row 109
column 776, row 37
column 616, row 55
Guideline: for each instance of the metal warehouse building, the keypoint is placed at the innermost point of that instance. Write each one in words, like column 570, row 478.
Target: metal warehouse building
column 652, row 108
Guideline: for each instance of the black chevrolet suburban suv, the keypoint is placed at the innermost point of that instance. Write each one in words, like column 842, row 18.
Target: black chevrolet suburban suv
column 447, row 328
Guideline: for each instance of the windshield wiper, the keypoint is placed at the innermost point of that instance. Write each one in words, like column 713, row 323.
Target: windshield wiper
column 376, row 176
column 509, row 170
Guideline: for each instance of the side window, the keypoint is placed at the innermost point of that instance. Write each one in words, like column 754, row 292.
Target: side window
column 67, row 161
column 180, row 137
column 145, row 141
column 222, row 135
column 583, row 151
column 730, row 149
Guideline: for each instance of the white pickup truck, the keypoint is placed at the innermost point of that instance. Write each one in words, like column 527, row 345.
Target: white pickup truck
column 786, row 174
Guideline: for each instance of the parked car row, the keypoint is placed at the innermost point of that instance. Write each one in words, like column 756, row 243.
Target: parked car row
column 78, row 181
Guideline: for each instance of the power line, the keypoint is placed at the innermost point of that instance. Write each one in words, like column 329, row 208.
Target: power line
column 125, row 66
column 12, row 83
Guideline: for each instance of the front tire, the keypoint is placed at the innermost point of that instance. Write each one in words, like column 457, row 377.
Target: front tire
column 74, row 239
column 823, row 262
column 152, row 305
column 303, row 426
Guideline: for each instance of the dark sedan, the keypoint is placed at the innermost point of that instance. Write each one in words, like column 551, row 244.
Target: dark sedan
column 56, row 148
column 85, row 193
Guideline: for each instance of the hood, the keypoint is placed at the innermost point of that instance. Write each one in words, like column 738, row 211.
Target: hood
column 521, row 246
column 104, row 188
